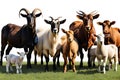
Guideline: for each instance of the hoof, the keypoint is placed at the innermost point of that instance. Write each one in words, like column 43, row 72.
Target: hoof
column 89, row 65
column 0, row 63
column 46, row 69
column 64, row 71
column 81, row 66
column 41, row 62
column 29, row 66
column 119, row 62
column 74, row 70
column 58, row 64
column 70, row 67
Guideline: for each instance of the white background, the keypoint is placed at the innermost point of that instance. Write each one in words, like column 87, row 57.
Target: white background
column 108, row 10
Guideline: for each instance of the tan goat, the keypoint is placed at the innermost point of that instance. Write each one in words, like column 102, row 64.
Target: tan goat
column 69, row 49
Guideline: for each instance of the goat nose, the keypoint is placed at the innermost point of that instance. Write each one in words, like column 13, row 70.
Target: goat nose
column 105, row 31
column 87, row 28
column 55, row 30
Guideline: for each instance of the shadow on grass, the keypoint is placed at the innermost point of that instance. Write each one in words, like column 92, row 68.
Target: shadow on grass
column 41, row 69
column 35, row 68
column 87, row 70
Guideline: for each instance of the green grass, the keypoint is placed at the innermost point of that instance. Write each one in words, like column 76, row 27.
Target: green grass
column 37, row 73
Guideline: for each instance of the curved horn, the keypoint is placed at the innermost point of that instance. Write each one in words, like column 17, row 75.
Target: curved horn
column 94, row 12
column 23, row 9
column 51, row 18
column 59, row 17
column 35, row 10
column 81, row 13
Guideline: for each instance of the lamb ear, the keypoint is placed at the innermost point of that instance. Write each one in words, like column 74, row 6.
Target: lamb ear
column 95, row 35
column 18, row 52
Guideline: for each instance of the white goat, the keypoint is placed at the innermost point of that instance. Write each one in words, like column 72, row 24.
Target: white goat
column 49, row 41
column 15, row 59
column 105, row 52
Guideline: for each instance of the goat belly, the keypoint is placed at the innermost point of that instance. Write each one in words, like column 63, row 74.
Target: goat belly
column 13, row 60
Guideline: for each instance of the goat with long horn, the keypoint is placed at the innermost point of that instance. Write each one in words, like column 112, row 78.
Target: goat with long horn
column 20, row 36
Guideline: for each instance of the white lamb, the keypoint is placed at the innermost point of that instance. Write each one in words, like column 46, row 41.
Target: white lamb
column 105, row 52
column 15, row 59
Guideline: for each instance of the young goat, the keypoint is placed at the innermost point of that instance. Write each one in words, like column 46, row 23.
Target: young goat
column 105, row 52
column 14, row 59
column 69, row 49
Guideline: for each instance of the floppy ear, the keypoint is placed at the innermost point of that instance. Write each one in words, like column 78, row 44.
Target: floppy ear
column 112, row 23
column 23, row 15
column 79, row 17
column 96, row 16
column 48, row 22
column 99, row 23
column 61, row 22
column 63, row 30
column 37, row 15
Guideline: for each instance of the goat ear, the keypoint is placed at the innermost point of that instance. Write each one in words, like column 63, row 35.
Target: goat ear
column 61, row 22
column 48, row 22
column 37, row 15
column 112, row 23
column 63, row 30
column 23, row 15
column 18, row 52
column 79, row 17
column 99, row 23
column 96, row 16
column 94, row 35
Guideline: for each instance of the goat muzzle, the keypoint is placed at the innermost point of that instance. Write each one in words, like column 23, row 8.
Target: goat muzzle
column 87, row 29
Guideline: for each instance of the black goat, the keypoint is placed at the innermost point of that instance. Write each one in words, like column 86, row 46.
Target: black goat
column 20, row 36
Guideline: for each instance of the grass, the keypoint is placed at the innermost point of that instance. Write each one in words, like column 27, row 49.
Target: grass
column 37, row 73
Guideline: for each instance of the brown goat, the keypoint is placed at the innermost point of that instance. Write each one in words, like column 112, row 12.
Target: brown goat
column 20, row 36
column 112, row 35
column 69, row 49
column 83, row 31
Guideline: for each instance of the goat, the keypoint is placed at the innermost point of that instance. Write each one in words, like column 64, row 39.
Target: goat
column 20, row 36
column 110, row 34
column 14, row 59
column 49, row 41
column 69, row 49
column 104, row 52
column 83, row 31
